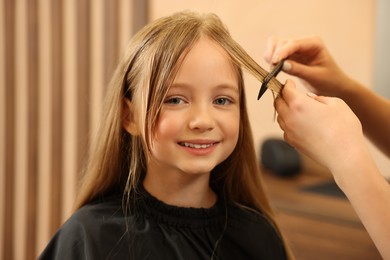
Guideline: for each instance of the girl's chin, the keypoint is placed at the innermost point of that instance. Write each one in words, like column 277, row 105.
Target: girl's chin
column 197, row 171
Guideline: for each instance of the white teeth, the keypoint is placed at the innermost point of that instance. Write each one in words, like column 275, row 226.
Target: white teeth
column 196, row 146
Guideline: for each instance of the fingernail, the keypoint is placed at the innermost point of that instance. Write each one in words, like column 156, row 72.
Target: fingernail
column 275, row 59
column 311, row 94
column 287, row 66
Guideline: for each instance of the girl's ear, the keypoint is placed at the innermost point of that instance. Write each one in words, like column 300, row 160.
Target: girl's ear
column 129, row 121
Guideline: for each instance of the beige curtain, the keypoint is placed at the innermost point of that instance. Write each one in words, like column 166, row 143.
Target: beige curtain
column 56, row 57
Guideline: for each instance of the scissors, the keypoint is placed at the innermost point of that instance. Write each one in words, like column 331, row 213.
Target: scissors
column 267, row 79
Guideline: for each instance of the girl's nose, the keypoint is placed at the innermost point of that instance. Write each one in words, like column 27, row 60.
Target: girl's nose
column 201, row 118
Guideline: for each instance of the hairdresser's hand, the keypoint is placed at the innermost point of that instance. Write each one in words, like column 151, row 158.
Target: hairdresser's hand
column 308, row 59
column 323, row 128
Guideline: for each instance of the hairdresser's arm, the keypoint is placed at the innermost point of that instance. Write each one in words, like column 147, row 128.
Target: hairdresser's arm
column 308, row 59
column 326, row 130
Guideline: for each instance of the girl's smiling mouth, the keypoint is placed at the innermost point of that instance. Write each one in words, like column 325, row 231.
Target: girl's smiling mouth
column 199, row 147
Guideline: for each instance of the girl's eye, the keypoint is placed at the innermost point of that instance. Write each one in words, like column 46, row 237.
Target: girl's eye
column 174, row 101
column 222, row 101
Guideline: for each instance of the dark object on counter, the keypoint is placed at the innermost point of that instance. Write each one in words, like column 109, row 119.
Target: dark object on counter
column 280, row 158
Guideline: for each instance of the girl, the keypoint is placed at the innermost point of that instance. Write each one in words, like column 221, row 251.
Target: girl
column 173, row 173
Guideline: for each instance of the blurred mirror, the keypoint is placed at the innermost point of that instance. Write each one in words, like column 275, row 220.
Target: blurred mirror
column 382, row 52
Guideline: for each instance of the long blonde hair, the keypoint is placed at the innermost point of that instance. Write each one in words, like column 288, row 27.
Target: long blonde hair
column 144, row 76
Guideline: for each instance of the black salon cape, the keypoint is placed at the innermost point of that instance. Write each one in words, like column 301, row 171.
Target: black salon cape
column 100, row 230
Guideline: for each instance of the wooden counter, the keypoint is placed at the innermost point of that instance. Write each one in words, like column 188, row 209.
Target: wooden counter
column 317, row 226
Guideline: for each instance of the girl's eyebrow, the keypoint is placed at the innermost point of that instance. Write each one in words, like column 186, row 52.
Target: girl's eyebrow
column 228, row 86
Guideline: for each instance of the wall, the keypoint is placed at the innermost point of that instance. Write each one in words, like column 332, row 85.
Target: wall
column 56, row 58
column 347, row 28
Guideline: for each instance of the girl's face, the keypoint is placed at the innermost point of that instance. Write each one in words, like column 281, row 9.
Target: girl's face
column 199, row 122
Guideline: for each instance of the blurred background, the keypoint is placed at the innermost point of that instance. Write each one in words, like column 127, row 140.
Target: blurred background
column 56, row 58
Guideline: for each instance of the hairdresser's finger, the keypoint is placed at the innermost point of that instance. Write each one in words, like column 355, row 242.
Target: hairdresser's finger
column 288, row 139
column 281, row 122
column 282, row 50
column 285, row 137
column 298, row 69
column 281, row 106
column 277, row 50
column 324, row 99
column 300, row 46
column 289, row 92
column 270, row 48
